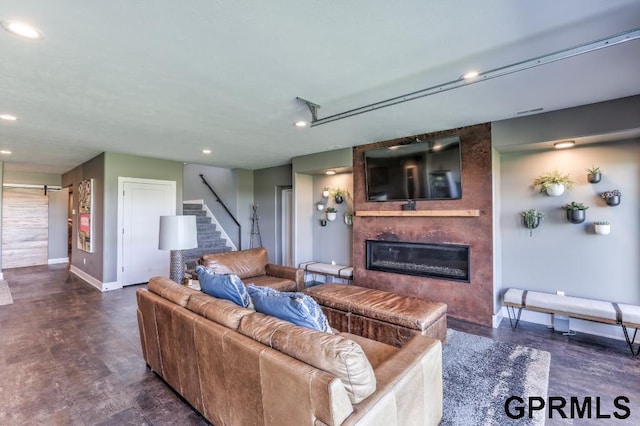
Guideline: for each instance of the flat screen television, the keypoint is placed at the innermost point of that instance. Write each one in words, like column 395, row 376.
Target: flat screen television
column 423, row 170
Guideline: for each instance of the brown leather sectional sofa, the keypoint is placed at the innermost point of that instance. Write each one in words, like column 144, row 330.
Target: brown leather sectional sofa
column 378, row 315
column 252, row 266
column 240, row 367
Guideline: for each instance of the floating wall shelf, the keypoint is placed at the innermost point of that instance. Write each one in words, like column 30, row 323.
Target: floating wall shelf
column 419, row 213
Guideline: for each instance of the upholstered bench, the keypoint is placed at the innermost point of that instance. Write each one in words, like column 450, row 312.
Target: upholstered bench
column 327, row 269
column 379, row 315
column 574, row 307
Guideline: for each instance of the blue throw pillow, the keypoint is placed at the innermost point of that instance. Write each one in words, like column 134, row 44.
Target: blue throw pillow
column 297, row 308
column 228, row 287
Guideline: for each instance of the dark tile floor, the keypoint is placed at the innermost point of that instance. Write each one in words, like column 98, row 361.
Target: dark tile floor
column 70, row 355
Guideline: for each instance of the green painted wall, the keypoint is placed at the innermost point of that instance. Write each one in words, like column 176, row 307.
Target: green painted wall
column 29, row 178
column 105, row 170
column 121, row 165
column 312, row 242
column 268, row 184
column 89, row 263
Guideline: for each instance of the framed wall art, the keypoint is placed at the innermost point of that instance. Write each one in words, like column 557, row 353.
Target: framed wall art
column 85, row 215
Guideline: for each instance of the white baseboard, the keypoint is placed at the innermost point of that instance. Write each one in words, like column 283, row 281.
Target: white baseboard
column 93, row 281
column 496, row 319
column 610, row 331
column 59, row 260
column 114, row 285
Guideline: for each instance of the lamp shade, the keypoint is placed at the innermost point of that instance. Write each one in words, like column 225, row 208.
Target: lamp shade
column 178, row 233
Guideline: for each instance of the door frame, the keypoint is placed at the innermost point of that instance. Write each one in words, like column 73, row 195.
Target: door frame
column 286, row 225
column 120, row 229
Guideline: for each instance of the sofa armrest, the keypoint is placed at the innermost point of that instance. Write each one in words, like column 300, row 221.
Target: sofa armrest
column 287, row 272
column 409, row 388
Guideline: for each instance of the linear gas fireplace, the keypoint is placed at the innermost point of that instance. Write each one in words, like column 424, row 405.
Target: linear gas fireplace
column 446, row 261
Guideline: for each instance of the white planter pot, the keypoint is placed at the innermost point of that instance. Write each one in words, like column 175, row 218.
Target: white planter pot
column 603, row 229
column 555, row 189
column 320, row 206
column 325, row 194
column 332, row 216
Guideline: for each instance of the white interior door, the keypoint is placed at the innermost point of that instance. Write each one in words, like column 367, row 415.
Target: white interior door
column 143, row 202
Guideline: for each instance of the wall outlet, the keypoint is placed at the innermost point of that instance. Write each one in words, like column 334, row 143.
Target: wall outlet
column 560, row 292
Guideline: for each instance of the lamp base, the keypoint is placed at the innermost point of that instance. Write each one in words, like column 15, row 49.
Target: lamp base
column 176, row 268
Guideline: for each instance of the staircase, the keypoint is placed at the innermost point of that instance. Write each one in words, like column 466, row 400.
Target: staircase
column 209, row 239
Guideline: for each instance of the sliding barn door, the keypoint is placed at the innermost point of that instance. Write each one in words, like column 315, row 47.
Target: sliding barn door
column 25, row 227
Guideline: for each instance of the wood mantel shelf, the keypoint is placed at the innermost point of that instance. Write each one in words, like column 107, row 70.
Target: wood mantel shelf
column 420, row 213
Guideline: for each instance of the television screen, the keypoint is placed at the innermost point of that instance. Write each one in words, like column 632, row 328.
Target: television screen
column 416, row 171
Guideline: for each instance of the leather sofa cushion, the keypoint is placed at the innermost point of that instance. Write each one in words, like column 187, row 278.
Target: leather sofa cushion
column 276, row 283
column 170, row 290
column 244, row 264
column 376, row 352
column 406, row 311
column 222, row 311
column 336, row 355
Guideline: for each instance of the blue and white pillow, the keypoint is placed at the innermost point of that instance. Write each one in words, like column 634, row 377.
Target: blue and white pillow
column 297, row 308
column 228, row 287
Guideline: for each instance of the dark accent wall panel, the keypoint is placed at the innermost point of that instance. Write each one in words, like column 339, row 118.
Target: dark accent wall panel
column 471, row 301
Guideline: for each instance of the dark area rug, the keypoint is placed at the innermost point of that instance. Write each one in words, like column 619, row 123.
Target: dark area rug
column 479, row 374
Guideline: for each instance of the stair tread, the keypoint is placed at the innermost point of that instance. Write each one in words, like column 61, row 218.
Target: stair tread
column 209, row 237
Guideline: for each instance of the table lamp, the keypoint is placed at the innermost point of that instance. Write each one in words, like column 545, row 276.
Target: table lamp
column 177, row 233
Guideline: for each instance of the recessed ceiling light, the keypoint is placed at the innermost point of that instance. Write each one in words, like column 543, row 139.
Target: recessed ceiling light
column 5, row 152
column 21, row 29
column 564, row 144
column 8, row 117
column 470, row 74
column 330, row 172
column 301, row 123
column 206, row 151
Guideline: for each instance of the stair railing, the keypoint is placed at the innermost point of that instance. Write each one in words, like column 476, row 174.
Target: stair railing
column 226, row 210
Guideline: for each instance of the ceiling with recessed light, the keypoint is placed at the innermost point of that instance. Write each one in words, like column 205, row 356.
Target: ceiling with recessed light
column 170, row 79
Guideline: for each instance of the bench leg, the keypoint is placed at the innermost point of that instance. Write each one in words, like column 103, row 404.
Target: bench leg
column 513, row 317
column 630, row 342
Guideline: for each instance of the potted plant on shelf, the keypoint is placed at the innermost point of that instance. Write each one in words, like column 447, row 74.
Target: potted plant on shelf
column 325, row 192
column 576, row 212
column 532, row 219
column 602, row 227
column 594, row 174
column 553, row 183
column 332, row 213
column 612, row 198
column 338, row 195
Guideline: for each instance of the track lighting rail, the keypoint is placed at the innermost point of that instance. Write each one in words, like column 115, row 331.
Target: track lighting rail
column 581, row 49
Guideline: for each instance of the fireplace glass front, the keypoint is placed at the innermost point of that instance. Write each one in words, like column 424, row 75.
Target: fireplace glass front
column 445, row 261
